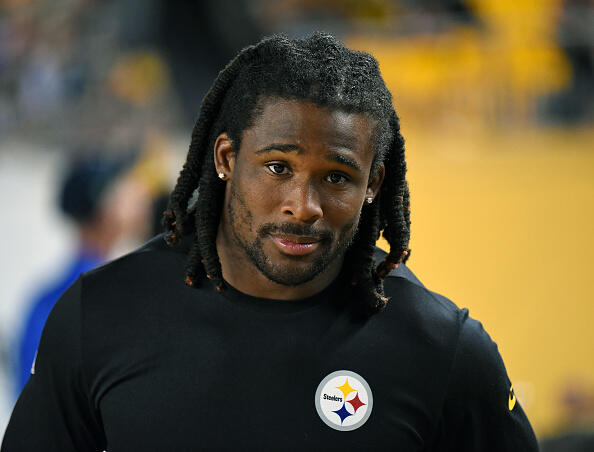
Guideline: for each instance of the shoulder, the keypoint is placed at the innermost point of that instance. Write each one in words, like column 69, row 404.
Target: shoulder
column 406, row 291
column 153, row 262
column 423, row 325
column 126, row 304
column 478, row 408
column 433, row 318
column 131, row 293
column 153, row 252
column 427, row 315
column 442, row 321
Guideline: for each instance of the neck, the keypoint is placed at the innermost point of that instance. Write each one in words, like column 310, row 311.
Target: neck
column 243, row 275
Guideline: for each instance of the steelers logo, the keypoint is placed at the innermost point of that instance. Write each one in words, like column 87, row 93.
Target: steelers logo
column 344, row 400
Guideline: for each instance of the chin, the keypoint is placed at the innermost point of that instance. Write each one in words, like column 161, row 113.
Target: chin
column 293, row 270
column 289, row 278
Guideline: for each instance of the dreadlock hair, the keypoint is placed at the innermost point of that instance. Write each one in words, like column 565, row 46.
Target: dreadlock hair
column 322, row 70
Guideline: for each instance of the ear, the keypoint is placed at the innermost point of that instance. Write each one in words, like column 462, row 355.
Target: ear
column 376, row 182
column 224, row 156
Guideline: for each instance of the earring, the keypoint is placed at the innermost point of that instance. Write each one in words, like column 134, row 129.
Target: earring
column 369, row 199
column 222, row 176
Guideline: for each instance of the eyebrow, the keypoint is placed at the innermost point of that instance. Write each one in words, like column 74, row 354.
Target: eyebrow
column 344, row 160
column 279, row 147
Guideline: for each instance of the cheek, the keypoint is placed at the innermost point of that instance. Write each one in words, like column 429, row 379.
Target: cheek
column 343, row 210
column 260, row 193
column 249, row 204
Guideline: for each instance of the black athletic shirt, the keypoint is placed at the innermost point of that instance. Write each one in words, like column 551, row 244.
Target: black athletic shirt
column 132, row 359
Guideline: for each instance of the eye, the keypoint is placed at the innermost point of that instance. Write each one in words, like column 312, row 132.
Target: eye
column 277, row 168
column 336, row 178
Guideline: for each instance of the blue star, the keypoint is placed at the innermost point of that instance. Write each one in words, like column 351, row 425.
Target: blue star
column 342, row 413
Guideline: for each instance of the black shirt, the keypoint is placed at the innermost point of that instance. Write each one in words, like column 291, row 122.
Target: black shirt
column 132, row 359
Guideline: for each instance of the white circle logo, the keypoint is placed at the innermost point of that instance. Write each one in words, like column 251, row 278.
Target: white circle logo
column 344, row 400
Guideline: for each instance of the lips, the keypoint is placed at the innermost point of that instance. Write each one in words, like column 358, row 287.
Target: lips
column 296, row 245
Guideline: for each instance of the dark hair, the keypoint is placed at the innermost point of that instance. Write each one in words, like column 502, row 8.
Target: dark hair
column 318, row 69
column 86, row 180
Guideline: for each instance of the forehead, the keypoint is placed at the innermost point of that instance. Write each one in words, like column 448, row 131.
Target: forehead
column 304, row 121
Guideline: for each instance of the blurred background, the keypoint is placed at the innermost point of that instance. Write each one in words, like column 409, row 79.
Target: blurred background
column 97, row 102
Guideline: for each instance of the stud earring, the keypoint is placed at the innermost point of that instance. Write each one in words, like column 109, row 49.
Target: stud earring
column 369, row 199
column 222, row 176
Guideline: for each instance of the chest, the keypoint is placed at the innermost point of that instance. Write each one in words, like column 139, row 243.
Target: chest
column 266, row 385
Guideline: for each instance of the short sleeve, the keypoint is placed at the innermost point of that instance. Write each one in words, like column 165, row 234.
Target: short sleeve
column 53, row 412
column 480, row 410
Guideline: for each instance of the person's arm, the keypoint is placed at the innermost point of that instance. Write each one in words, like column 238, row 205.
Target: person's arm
column 480, row 411
column 53, row 412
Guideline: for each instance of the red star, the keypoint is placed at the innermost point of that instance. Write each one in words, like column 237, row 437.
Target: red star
column 356, row 402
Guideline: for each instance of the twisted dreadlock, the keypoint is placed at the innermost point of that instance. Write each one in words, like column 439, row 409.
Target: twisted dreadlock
column 318, row 69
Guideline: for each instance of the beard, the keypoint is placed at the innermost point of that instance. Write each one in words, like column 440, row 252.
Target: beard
column 332, row 245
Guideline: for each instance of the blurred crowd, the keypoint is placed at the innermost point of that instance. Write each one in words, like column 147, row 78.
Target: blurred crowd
column 111, row 85
column 84, row 68
column 80, row 71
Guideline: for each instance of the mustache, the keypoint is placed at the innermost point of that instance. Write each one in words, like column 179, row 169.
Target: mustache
column 294, row 229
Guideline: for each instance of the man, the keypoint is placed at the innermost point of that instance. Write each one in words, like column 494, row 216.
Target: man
column 298, row 342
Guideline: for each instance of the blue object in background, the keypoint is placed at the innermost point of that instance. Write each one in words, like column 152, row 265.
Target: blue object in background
column 40, row 309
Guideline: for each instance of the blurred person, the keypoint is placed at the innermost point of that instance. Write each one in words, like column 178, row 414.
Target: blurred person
column 106, row 207
column 569, row 442
column 576, row 433
column 260, row 320
column 575, row 104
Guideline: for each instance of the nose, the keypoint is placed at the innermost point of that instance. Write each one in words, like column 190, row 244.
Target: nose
column 302, row 202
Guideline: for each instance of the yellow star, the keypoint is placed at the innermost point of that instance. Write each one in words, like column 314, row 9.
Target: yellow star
column 346, row 388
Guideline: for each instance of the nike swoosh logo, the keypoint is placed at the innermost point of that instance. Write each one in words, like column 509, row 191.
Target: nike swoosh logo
column 511, row 403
